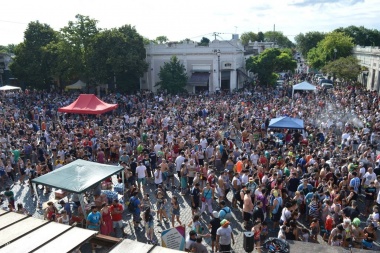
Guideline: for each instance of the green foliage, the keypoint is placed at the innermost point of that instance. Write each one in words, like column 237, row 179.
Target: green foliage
column 305, row 42
column 279, row 38
column 30, row 65
column 344, row 68
column 9, row 49
column 204, row 42
column 79, row 36
column 361, row 35
column 260, row 36
column 270, row 61
column 162, row 39
column 248, row 36
column 324, row 52
column 173, row 77
column 118, row 52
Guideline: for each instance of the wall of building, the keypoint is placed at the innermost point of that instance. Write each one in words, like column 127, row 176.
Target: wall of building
column 196, row 58
column 369, row 57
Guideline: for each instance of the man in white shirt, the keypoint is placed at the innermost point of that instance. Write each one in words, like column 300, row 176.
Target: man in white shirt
column 158, row 176
column 142, row 174
column 368, row 177
column 178, row 162
column 254, row 157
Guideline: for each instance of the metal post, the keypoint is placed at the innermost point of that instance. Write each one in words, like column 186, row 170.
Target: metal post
column 114, row 81
column 219, row 72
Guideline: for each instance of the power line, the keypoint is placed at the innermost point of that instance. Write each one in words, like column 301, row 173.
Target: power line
column 13, row 22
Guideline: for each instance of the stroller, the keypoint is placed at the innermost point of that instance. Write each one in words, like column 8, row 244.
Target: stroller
column 275, row 245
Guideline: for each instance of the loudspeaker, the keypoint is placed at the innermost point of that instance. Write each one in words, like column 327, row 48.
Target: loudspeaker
column 248, row 242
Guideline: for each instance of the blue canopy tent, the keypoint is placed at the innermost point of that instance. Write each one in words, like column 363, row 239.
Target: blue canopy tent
column 286, row 122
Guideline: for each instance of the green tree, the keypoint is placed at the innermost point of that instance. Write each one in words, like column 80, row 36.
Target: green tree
column 79, row 34
column 279, row 38
column 30, row 65
column 361, row 35
column 60, row 56
column 119, row 53
column 173, row 77
column 204, row 42
column 333, row 46
column 10, row 49
column 162, row 39
column 307, row 41
column 260, row 36
column 266, row 64
column 344, row 68
column 247, row 37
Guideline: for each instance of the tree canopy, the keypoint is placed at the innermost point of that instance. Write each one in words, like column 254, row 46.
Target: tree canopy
column 333, row 46
column 344, row 68
column 362, row 36
column 247, row 37
column 30, row 64
column 270, row 61
column 279, row 38
column 173, row 77
column 80, row 50
column 307, row 41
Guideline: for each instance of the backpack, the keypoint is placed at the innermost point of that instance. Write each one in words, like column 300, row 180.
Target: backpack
column 228, row 213
column 131, row 205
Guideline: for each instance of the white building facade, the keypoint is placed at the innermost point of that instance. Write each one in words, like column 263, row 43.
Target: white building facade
column 369, row 57
column 218, row 66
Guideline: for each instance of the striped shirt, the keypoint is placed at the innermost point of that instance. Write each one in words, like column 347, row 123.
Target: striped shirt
column 355, row 182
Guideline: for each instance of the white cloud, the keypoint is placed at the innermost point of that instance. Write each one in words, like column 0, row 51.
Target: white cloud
column 190, row 19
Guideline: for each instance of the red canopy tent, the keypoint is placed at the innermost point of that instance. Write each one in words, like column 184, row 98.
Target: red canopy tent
column 88, row 104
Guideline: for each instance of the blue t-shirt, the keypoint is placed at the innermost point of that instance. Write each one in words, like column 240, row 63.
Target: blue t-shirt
column 136, row 203
column 93, row 218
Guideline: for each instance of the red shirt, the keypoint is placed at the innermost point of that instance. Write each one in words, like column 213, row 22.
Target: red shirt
column 116, row 216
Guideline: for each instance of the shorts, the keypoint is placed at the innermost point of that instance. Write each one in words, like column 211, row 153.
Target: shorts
column 141, row 181
column 246, row 216
column 117, row 224
column 213, row 238
column 175, row 212
column 225, row 248
column 170, row 176
column 136, row 217
column 190, row 180
column 196, row 206
column 276, row 217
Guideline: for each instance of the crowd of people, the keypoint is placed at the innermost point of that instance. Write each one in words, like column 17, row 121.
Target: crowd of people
column 215, row 151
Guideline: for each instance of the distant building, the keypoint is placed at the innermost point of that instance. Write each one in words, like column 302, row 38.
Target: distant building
column 369, row 57
column 218, row 66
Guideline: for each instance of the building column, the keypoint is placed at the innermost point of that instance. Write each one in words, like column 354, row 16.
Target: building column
column 233, row 79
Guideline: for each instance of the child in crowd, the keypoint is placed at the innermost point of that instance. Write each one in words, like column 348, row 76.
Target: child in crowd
column 175, row 210
column 305, row 235
column 337, row 240
column 314, row 229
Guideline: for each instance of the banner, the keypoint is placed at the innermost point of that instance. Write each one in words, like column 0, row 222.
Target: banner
column 173, row 238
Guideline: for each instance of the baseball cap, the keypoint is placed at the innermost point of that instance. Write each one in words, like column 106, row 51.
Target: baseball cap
column 224, row 222
column 251, row 179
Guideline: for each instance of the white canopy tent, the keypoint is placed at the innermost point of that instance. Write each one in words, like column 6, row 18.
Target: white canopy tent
column 8, row 87
column 303, row 86
column 76, row 86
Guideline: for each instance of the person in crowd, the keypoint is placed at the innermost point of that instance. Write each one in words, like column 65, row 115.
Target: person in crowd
column 224, row 237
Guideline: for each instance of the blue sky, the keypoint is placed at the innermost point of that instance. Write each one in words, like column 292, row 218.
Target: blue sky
column 179, row 19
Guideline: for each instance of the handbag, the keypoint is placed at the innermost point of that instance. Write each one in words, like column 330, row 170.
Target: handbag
column 203, row 198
